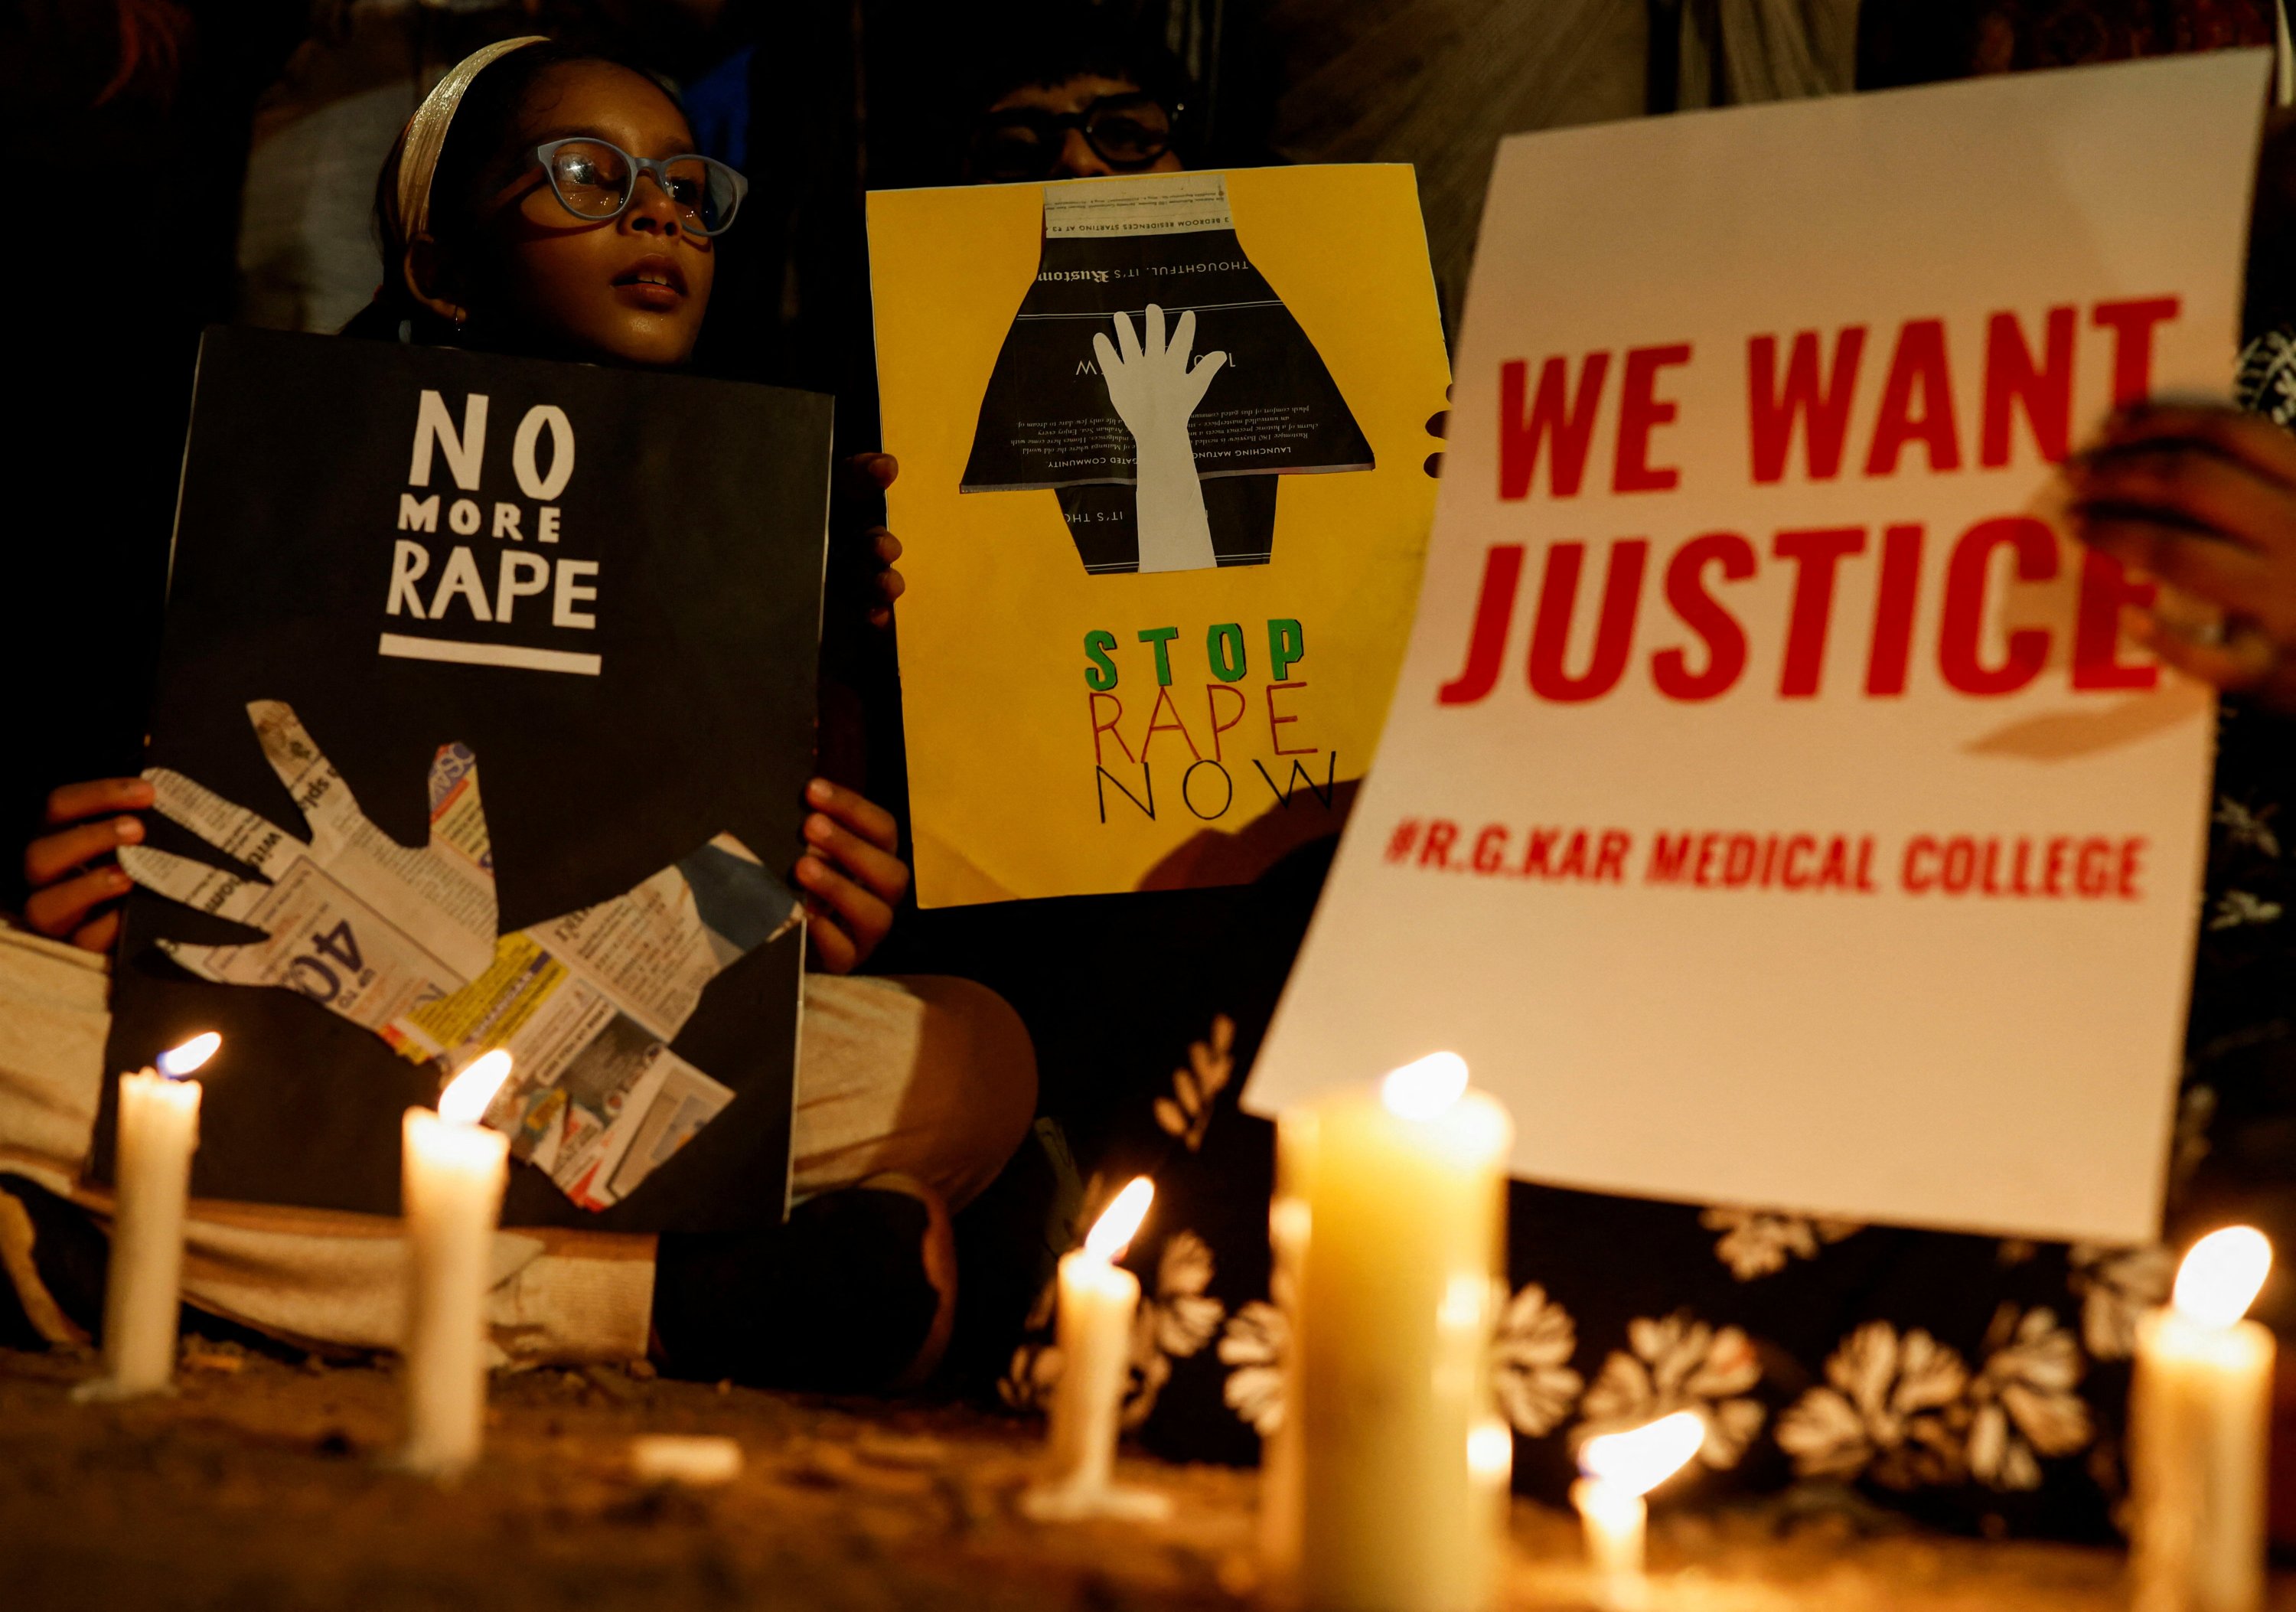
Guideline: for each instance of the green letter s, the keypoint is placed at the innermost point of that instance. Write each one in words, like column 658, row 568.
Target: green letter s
column 1100, row 677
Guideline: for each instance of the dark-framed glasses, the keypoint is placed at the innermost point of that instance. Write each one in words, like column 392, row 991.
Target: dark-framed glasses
column 1126, row 131
column 595, row 179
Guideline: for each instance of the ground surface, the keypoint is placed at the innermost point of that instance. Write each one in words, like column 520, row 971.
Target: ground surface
column 258, row 1490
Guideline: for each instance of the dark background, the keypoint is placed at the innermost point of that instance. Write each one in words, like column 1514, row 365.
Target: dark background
column 131, row 122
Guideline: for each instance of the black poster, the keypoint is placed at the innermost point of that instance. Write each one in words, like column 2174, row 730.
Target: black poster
column 486, row 704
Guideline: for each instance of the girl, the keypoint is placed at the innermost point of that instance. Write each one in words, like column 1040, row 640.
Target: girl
column 547, row 203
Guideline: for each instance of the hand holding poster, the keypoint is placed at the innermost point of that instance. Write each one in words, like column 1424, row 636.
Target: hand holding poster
column 398, row 568
column 1770, row 811
column 1162, row 499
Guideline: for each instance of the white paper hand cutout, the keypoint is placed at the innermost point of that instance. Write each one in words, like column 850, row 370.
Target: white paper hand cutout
column 353, row 919
column 1155, row 393
column 403, row 942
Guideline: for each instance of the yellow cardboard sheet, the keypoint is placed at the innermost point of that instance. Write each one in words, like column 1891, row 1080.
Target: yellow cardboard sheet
column 1040, row 768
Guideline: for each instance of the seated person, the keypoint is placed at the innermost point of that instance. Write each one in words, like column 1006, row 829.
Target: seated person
column 1978, row 1382
column 911, row 1094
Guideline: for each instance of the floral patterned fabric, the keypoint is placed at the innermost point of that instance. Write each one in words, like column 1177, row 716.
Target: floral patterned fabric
column 1963, row 1378
column 1979, row 1383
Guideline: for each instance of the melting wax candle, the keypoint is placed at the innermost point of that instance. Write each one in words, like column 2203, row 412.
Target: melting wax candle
column 450, row 1186
column 159, row 1131
column 2199, row 1423
column 1619, row 1470
column 1099, row 1301
column 1386, row 1485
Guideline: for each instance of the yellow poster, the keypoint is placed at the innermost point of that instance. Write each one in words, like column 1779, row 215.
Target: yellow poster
column 1163, row 501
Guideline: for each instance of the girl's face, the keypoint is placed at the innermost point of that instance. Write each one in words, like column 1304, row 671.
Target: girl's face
column 633, row 287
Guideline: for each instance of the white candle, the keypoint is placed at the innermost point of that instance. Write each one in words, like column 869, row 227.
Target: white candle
column 1279, row 1452
column 1390, row 1492
column 159, row 1131
column 1619, row 1468
column 2200, row 1424
column 451, row 1188
column 1098, row 1304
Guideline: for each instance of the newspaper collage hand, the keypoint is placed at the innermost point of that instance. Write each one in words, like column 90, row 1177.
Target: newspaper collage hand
column 403, row 942
column 1155, row 393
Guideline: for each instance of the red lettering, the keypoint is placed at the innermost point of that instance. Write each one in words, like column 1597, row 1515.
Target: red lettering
column 1960, row 635
column 1823, row 409
column 1725, row 639
column 1213, row 692
column 1816, row 554
column 2131, row 324
column 1920, row 847
column 1574, row 857
column 1960, row 864
column 1642, row 411
column 1892, row 650
column 1156, row 726
column 1708, row 844
column 1550, row 633
column 1274, row 722
column 1835, row 873
column 2104, row 589
column 1570, row 430
column 1669, row 857
column 2011, row 378
column 1536, row 861
column 1435, row 849
column 1918, row 365
column 1494, row 618
column 2022, row 867
column 1490, row 848
column 1610, row 855
column 1107, row 728
column 1793, row 875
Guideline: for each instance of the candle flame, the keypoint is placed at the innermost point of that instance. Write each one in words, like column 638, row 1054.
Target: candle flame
column 1639, row 1460
column 469, row 1094
column 2220, row 1277
column 1422, row 1089
column 178, row 1063
column 1491, row 1449
column 1113, row 1229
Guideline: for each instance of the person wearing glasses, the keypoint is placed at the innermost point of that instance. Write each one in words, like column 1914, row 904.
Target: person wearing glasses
column 550, row 204
column 1072, row 115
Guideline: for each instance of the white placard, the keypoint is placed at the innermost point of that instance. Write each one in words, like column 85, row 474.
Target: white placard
column 1844, row 870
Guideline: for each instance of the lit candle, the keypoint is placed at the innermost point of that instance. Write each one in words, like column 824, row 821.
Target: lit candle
column 1388, row 1491
column 159, row 1131
column 1619, row 1468
column 1098, row 1302
column 451, row 1188
column 1279, row 1452
column 2200, row 1417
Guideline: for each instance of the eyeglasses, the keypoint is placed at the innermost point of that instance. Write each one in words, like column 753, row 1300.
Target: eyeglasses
column 1128, row 131
column 597, row 181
